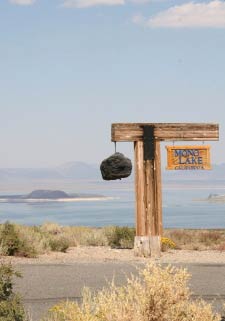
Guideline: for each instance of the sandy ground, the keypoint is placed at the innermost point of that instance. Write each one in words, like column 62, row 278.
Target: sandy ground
column 104, row 254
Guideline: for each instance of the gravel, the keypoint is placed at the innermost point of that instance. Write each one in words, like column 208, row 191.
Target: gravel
column 104, row 254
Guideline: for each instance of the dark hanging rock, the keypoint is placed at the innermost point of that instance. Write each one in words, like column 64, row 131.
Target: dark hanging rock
column 116, row 166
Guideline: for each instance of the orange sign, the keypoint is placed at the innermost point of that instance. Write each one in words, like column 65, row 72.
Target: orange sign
column 188, row 157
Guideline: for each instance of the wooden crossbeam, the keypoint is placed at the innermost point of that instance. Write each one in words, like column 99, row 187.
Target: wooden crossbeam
column 133, row 132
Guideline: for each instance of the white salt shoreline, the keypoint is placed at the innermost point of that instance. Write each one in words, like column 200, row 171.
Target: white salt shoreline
column 42, row 200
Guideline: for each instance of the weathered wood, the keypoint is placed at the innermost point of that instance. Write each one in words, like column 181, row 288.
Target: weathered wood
column 155, row 246
column 142, row 246
column 150, row 197
column 148, row 174
column 148, row 202
column 158, row 189
column 147, row 246
column 163, row 131
column 163, row 125
column 139, row 188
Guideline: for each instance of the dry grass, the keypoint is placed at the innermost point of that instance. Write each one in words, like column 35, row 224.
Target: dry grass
column 197, row 239
column 85, row 236
column 35, row 240
column 53, row 237
column 157, row 294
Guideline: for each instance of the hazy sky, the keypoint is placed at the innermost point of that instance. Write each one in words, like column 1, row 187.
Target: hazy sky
column 70, row 68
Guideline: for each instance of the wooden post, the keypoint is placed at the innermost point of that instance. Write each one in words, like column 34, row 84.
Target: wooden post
column 155, row 211
column 139, row 189
column 141, row 243
column 148, row 172
column 148, row 202
column 158, row 189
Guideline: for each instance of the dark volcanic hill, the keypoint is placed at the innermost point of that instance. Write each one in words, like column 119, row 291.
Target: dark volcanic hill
column 47, row 194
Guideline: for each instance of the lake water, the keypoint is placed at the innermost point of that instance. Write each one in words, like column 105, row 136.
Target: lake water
column 180, row 208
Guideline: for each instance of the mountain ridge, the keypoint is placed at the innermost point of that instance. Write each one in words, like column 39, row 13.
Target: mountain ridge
column 82, row 170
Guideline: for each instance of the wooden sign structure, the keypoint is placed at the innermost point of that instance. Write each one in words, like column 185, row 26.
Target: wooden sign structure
column 147, row 138
column 188, row 157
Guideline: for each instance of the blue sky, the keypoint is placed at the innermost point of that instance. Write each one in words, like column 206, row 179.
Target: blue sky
column 70, row 68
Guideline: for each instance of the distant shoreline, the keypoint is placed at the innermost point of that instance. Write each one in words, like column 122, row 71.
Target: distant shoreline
column 60, row 200
column 46, row 196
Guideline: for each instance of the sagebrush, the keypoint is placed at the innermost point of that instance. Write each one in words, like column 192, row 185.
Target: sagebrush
column 120, row 237
column 31, row 241
column 156, row 294
column 11, row 308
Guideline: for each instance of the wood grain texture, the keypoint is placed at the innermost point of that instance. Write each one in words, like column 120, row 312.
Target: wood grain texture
column 142, row 246
column 148, row 192
column 150, row 197
column 166, row 131
column 158, row 189
column 140, row 188
column 148, row 187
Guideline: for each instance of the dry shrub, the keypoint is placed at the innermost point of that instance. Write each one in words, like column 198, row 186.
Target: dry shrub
column 3, row 248
column 85, row 236
column 30, row 241
column 9, row 239
column 209, row 237
column 120, row 236
column 196, row 239
column 51, row 228
column 48, row 237
column 59, row 244
column 95, row 237
column 38, row 242
column 180, row 237
column 157, row 294
column 76, row 234
column 15, row 240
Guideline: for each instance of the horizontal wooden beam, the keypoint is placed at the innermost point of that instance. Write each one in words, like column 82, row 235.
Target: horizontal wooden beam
column 133, row 132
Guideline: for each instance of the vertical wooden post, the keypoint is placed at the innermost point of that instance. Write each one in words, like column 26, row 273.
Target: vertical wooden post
column 158, row 188
column 139, row 188
column 150, row 197
column 141, row 243
column 155, row 212
column 148, row 202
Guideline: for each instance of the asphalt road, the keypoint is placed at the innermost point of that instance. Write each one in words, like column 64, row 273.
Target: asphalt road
column 42, row 286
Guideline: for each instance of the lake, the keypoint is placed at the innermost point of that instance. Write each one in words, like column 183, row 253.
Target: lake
column 180, row 208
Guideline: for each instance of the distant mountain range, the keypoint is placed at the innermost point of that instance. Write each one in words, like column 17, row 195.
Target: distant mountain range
column 82, row 170
column 72, row 170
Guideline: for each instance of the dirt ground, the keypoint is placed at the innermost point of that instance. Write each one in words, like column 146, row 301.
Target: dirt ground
column 103, row 254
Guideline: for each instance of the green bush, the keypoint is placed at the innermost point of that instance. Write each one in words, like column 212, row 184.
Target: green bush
column 120, row 237
column 13, row 243
column 9, row 239
column 11, row 308
column 59, row 244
